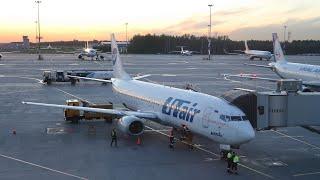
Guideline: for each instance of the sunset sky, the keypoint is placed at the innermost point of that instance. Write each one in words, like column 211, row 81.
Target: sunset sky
column 96, row 19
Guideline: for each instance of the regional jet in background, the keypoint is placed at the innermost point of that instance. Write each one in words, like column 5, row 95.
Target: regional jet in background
column 256, row 53
column 203, row 114
column 308, row 74
column 90, row 53
column 184, row 52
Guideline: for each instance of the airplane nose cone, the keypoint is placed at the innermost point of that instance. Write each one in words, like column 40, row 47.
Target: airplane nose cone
column 247, row 133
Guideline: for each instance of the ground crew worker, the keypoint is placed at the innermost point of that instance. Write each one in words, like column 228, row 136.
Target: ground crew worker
column 184, row 132
column 229, row 161
column 114, row 137
column 171, row 142
column 235, row 163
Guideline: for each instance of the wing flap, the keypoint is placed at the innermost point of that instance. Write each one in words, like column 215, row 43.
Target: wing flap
column 146, row 115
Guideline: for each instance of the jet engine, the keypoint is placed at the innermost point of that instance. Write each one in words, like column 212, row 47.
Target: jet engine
column 101, row 57
column 80, row 56
column 131, row 125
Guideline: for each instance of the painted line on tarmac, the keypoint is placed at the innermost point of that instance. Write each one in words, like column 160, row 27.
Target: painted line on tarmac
column 306, row 174
column 43, row 167
column 304, row 142
column 215, row 154
column 74, row 96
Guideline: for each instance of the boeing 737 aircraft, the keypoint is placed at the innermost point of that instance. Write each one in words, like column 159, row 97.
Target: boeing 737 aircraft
column 184, row 52
column 256, row 53
column 308, row 74
column 203, row 114
column 90, row 52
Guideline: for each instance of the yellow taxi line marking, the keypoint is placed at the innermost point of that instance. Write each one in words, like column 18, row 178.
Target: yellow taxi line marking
column 217, row 155
column 43, row 167
column 304, row 142
column 306, row 174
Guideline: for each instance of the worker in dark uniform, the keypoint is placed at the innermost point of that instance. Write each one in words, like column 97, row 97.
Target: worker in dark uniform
column 171, row 142
column 229, row 161
column 235, row 162
column 114, row 137
column 183, row 133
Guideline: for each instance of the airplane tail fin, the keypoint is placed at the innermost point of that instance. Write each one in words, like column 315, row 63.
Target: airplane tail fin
column 87, row 45
column 118, row 71
column 277, row 50
column 246, row 45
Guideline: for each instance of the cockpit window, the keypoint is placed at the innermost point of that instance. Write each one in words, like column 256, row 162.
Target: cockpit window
column 244, row 118
column 236, row 118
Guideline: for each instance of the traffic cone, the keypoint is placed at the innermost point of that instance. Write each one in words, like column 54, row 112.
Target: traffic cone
column 138, row 141
column 14, row 131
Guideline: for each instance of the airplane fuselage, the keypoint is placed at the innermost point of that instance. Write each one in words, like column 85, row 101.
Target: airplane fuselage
column 258, row 54
column 304, row 72
column 201, row 113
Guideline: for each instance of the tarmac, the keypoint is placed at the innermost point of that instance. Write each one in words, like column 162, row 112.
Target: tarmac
column 46, row 147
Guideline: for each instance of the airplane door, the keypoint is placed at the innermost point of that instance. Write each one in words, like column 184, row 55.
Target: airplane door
column 207, row 115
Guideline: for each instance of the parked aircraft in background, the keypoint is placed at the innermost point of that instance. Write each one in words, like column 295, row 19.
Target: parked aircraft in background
column 256, row 53
column 308, row 74
column 90, row 53
column 202, row 114
column 184, row 52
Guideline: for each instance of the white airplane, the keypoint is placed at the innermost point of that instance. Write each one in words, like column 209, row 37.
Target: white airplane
column 90, row 52
column 184, row 52
column 308, row 74
column 256, row 53
column 203, row 114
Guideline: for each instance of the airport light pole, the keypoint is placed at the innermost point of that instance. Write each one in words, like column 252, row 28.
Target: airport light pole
column 39, row 35
column 284, row 37
column 209, row 38
column 126, row 37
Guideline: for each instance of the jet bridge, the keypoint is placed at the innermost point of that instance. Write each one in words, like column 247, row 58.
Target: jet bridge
column 284, row 107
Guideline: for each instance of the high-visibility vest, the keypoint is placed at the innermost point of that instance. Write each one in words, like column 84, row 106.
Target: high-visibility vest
column 236, row 159
column 113, row 134
column 229, row 155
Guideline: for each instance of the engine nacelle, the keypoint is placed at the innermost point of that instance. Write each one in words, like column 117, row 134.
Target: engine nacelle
column 80, row 56
column 131, row 125
column 306, row 89
column 101, row 57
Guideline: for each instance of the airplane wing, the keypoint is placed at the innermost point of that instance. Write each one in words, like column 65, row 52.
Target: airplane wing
column 141, row 76
column 250, row 77
column 92, row 79
column 120, row 113
column 174, row 52
column 195, row 52
column 311, row 83
column 229, row 53
column 258, row 65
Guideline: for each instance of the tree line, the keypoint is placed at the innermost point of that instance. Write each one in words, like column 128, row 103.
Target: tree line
column 164, row 44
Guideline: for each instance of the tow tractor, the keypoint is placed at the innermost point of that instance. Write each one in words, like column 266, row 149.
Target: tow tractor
column 63, row 76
